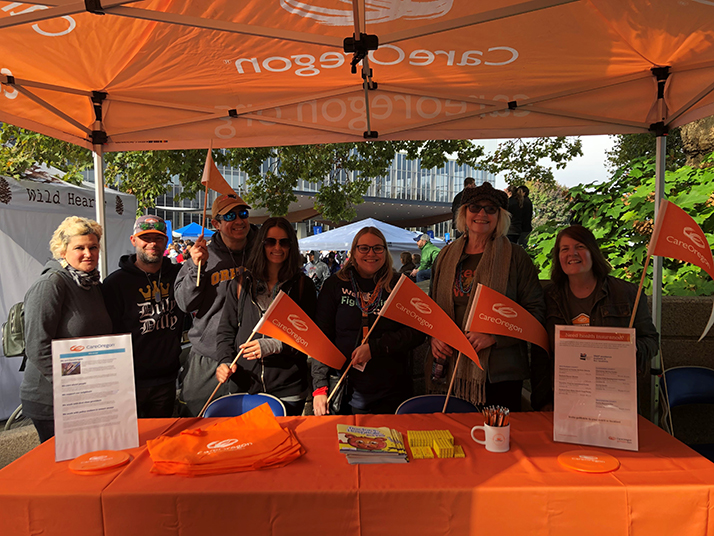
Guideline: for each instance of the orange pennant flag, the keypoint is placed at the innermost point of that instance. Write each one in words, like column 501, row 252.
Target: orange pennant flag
column 213, row 178
column 494, row 313
column 409, row 305
column 677, row 236
column 285, row 321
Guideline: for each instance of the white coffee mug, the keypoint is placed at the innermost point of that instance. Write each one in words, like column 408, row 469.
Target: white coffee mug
column 498, row 438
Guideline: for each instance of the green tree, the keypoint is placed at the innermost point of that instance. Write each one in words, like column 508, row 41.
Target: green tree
column 550, row 203
column 629, row 147
column 620, row 213
column 525, row 160
column 342, row 172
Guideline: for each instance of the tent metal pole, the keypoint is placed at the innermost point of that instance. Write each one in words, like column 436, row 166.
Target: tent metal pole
column 99, row 206
column 657, row 279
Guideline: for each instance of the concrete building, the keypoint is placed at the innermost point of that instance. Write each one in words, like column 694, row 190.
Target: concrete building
column 408, row 196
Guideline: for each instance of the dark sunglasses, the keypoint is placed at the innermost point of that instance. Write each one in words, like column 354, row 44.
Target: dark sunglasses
column 230, row 216
column 270, row 242
column 153, row 226
column 488, row 209
column 363, row 248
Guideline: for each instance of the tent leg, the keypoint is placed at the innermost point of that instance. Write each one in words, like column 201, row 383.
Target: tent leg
column 99, row 206
column 657, row 280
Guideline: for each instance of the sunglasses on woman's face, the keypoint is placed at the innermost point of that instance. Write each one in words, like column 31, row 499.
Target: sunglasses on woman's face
column 270, row 242
column 364, row 249
column 230, row 216
column 488, row 209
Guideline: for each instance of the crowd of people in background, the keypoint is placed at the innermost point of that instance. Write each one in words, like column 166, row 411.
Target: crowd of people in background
column 225, row 284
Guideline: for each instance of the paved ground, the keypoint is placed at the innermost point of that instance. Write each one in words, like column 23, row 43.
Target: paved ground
column 20, row 439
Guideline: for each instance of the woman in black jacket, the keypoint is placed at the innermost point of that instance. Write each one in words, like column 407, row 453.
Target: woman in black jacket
column 267, row 365
column 349, row 302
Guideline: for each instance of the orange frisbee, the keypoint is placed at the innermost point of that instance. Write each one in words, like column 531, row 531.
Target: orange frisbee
column 588, row 461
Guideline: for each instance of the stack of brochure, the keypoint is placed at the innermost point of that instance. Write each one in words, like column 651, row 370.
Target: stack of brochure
column 361, row 444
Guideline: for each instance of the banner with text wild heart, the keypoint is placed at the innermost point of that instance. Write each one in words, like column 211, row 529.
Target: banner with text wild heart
column 409, row 305
column 285, row 321
column 676, row 235
column 494, row 313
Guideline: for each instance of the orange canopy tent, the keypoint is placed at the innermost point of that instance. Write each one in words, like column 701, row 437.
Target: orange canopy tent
column 178, row 73
column 115, row 75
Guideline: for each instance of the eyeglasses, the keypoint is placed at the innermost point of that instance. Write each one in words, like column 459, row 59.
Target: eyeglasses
column 153, row 226
column 230, row 216
column 270, row 242
column 364, row 249
column 488, row 209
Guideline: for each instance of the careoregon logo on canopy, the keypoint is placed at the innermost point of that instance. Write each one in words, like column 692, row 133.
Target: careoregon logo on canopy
column 297, row 322
column 693, row 237
column 376, row 11
column 420, row 306
column 504, row 310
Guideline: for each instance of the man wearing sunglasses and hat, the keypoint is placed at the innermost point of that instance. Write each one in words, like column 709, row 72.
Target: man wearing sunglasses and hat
column 220, row 260
column 139, row 297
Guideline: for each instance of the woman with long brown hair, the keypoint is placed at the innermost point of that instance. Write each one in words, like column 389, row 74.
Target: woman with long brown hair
column 267, row 365
column 347, row 307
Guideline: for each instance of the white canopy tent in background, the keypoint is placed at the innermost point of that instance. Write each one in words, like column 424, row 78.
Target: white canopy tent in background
column 116, row 75
column 340, row 239
column 30, row 211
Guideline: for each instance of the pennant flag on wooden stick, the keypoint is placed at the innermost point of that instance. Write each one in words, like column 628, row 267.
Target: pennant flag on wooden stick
column 676, row 235
column 409, row 305
column 285, row 321
column 494, row 313
column 213, row 179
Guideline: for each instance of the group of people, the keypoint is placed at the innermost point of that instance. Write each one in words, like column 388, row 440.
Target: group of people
column 228, row 283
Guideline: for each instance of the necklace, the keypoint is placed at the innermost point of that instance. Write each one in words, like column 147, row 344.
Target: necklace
column 367, row 302
column 157, row 291
column 464, row 289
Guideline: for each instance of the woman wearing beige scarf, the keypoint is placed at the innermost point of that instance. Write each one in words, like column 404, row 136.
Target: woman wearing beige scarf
column 483, row 255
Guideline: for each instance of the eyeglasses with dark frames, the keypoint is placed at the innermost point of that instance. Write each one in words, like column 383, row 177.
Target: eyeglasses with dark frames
column 153, row 226
column 488, row 209
column 270, row 242
column 364, row 249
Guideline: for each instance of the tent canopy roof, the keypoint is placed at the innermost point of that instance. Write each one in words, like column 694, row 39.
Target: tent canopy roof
column 171, row 74
column 340, row 239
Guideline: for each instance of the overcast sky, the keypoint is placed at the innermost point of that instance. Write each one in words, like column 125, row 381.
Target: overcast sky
column 582, row 170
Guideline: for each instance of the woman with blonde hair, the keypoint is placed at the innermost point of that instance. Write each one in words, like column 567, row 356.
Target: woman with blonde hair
column 484, row 255
column 347, row 307
column 65, row 302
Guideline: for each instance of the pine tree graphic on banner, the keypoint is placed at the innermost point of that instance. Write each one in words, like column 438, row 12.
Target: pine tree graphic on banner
column 5, row 193
column 119, row 206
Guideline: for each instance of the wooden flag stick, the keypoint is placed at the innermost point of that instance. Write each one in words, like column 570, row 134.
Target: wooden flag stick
column 639, row 290
column 210, row 399
column 344, row 374
column 203, row 228
column 451, row 384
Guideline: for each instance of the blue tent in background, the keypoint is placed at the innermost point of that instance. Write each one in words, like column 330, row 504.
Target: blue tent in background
column 191, row 232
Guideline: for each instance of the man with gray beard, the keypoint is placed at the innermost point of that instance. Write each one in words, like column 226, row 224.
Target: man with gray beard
column 139, row 297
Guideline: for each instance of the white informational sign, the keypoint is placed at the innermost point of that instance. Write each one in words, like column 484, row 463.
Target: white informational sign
column 94, row 397
column 595, row 387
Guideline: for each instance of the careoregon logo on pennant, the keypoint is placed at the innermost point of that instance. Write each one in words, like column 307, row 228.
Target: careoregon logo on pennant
column 504, row 310
column 297, row 323
column 420, row 306
column 510, row 319
column 693, row 237
column 285, row 321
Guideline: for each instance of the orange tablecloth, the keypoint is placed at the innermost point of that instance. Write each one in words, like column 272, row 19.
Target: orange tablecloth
column 665, row 488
